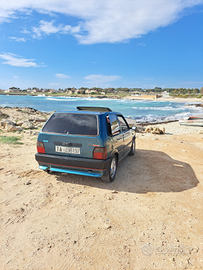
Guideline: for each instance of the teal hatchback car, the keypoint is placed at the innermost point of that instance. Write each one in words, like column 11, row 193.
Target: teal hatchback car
column 90, row 141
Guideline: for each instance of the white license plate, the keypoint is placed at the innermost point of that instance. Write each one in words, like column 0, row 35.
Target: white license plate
column 68, row 150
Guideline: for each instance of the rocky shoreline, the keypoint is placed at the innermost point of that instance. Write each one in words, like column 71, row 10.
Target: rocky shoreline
column 20, row 119
column 30, row 121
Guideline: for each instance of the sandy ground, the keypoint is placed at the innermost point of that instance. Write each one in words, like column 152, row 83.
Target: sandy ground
column 150, row 217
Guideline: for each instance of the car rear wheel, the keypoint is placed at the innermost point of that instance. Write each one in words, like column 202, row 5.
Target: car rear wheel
column 111, row 171
column 132, row 150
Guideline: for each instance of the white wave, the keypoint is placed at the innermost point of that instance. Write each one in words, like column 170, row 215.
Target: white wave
column 98, row 99
column 159, row 119
column 60, row 99
column 194, row 108
column 43, row 95
column 166, row 108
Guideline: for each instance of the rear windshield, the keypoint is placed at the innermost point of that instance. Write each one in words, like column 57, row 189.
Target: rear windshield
column 72, row 123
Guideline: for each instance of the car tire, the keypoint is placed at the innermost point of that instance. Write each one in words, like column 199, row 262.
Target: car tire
column 132, row 150
column 111, row 171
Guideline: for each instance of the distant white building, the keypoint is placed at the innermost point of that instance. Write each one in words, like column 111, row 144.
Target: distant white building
column 165, row 94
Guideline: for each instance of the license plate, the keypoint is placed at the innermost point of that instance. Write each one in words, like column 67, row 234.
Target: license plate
column 68, row 150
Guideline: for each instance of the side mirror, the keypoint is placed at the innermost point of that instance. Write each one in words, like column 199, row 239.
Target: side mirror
column 134, row 128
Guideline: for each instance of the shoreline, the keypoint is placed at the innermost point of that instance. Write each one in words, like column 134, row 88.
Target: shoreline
column 173, row 99
column 130, row 120
column 36, row 118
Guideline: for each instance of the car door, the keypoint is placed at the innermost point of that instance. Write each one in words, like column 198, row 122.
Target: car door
column 126, row 133
column 116, row 136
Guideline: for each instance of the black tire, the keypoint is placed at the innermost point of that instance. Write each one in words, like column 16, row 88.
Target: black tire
column 111, row 171
column 132, row 150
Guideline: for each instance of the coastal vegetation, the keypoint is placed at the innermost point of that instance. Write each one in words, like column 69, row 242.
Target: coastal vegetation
column 106, row 92
column 10, row 140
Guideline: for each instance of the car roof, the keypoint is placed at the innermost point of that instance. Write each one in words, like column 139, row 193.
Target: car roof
column 101, row 110
column 94, row 109
column 88, row 112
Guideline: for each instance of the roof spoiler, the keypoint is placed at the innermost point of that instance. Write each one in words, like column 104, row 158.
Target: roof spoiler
column 94, row 109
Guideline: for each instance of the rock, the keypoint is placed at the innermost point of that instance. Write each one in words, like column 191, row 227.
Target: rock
column 3, row 115
column 31, row 132
column 28, row 182
column 158, row 131
column 20, row 123
column 29, row 110
column 5, row 122
column 27, row 125
column 107, row 226
column 11, row 127
column 149, row 129
column 155, row 130
column 16, row 128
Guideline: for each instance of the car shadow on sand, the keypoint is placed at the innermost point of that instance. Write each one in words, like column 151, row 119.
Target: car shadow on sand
column 147, row 171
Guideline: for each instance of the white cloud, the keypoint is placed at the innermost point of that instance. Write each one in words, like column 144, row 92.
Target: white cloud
column 16, row 77
column 62, row 76
column 17, row 61
column 48, row 28
column 101, row 21
column 99, row 78
column 25, row 31
column 18, row 39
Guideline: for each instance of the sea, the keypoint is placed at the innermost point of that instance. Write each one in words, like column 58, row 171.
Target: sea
column 143, row 111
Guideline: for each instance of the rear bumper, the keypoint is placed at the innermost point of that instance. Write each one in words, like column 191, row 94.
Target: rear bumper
column 81, row 166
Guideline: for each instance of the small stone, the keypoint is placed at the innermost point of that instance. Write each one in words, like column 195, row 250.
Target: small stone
column 107, row 226
column 28, row 182
column 20, row 123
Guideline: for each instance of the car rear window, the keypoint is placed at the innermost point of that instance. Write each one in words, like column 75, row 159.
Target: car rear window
column 72, row 123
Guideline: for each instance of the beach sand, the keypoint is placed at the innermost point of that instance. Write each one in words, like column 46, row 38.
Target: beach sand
column 173, row 99
column 150, row 217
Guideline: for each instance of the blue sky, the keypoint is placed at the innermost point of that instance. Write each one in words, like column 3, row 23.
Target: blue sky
column 109, row 43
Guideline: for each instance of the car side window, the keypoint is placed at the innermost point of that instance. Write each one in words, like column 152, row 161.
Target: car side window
column 114, row 125
column 122, row 122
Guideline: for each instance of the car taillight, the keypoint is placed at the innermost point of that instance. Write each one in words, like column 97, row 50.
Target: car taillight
column 40, row 148
column 100, row 153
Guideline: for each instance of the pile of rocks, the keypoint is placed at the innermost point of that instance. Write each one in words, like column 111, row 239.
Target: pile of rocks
column 155, row 130
column 28, row 125
column 15, row 122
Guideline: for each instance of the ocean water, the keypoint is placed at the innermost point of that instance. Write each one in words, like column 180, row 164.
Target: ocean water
column 140, row 110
